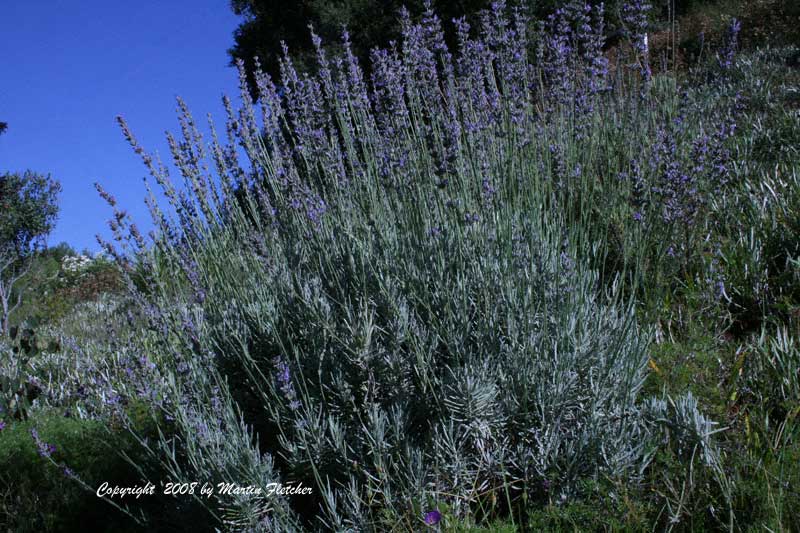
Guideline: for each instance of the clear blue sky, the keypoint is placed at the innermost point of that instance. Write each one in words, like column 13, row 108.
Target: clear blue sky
column 68, row 67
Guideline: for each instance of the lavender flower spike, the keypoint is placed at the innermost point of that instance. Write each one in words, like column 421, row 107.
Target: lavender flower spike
column 726, row 55
column 45, row 449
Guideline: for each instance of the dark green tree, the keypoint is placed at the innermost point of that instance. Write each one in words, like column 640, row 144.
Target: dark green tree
column 370, row 23
column 28, row 211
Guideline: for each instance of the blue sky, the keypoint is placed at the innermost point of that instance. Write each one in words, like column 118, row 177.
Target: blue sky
column 69, row 67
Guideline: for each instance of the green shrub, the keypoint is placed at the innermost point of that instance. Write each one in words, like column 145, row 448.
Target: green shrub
column 39, row 496
column 58, row 493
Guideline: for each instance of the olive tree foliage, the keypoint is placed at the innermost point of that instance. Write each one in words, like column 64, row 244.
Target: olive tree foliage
column 28, row 211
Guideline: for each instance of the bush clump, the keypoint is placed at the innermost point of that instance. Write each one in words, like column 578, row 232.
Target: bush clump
column 416, row 293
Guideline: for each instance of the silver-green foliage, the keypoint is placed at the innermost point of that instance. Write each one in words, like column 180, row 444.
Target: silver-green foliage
column 393, row 301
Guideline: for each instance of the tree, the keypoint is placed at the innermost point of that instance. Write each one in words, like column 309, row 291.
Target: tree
column 28, row 211
column 370, row 23
column 3, row 127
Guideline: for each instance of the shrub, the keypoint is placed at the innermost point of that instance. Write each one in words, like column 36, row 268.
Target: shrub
column 399, row 303
column 39, row 496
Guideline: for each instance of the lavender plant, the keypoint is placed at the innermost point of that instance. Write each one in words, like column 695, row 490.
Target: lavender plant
column 389, row 291
column 634, row 17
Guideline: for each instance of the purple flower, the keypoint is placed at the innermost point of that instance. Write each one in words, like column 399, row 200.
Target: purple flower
column 487, row 187
column 45, row 449
column 676, row 189
column 283, row 374
column 726, row 55
column 112, row 399
column 433, row 517
column 558, row 53
column 284, row 378
column 2, row 425
column 634, row 17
